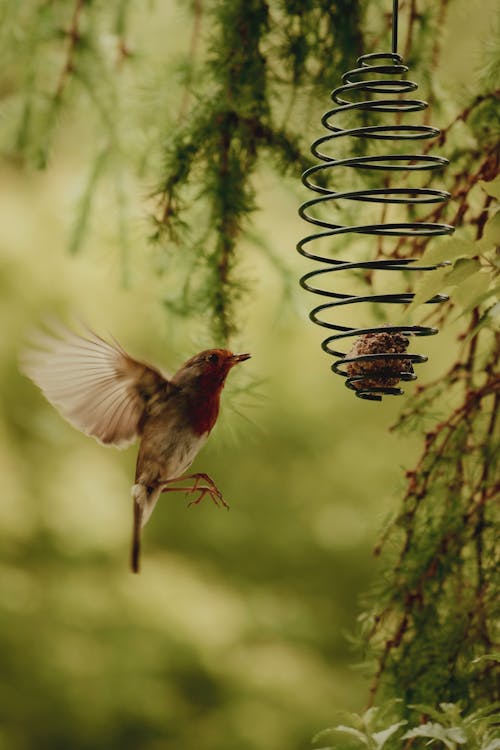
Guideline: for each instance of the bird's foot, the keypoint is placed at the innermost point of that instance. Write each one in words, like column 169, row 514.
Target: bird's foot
column 204, row 490
column 210, row 488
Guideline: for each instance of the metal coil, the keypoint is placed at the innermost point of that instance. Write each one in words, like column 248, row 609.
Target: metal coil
column 376, row 74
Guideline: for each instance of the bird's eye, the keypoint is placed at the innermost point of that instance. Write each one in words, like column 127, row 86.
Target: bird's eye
column 213, row 358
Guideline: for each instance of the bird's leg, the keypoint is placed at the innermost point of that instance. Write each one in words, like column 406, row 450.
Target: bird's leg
column 202, row 489
column 210, row 488
column 208, row 479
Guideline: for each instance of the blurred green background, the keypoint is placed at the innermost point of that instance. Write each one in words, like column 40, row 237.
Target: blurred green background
column 236, row 633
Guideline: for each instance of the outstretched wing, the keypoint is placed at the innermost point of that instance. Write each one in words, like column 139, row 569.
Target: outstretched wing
column 95, row 385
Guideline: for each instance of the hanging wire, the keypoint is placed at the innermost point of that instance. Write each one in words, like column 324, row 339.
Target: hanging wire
column 378, row 360
column 394, row 27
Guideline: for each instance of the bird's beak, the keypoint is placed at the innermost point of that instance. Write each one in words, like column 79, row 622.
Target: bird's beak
column 239, row 358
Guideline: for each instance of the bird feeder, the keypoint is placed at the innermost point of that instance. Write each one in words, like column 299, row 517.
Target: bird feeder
column 374, row 108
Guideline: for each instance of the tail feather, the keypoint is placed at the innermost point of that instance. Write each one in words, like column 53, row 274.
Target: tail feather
column 136, row 538
column 144, row 503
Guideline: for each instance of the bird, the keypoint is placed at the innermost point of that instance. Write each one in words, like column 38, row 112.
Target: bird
column 107, row 394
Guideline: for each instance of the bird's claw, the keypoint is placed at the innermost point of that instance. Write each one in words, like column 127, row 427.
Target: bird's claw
column 213, row 493
column 210, row 489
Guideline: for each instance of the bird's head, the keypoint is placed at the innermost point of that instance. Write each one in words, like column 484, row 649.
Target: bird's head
column 207, row 371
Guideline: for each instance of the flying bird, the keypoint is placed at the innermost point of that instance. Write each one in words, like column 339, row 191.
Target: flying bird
column 105, row 393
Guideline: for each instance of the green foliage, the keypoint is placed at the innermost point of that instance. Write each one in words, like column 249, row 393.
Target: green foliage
column 445, row 726
column 256, row 54
column 473, row 275
column 479, row 729
column 260, row 62
column 374, row 729
column 437, row 612
column 247, row 98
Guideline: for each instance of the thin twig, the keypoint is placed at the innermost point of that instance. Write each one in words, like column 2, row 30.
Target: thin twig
column 73, row 37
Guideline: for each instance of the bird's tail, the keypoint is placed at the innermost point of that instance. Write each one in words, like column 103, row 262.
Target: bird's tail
column 144, row 502
column 136, row 537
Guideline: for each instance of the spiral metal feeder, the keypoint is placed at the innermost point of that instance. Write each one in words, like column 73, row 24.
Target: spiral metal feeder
column 377, row 361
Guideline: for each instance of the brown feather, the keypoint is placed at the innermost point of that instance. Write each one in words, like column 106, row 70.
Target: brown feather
column 95, row 385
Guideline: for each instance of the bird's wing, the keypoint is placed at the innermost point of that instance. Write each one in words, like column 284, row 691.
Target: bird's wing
column 95, row 385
